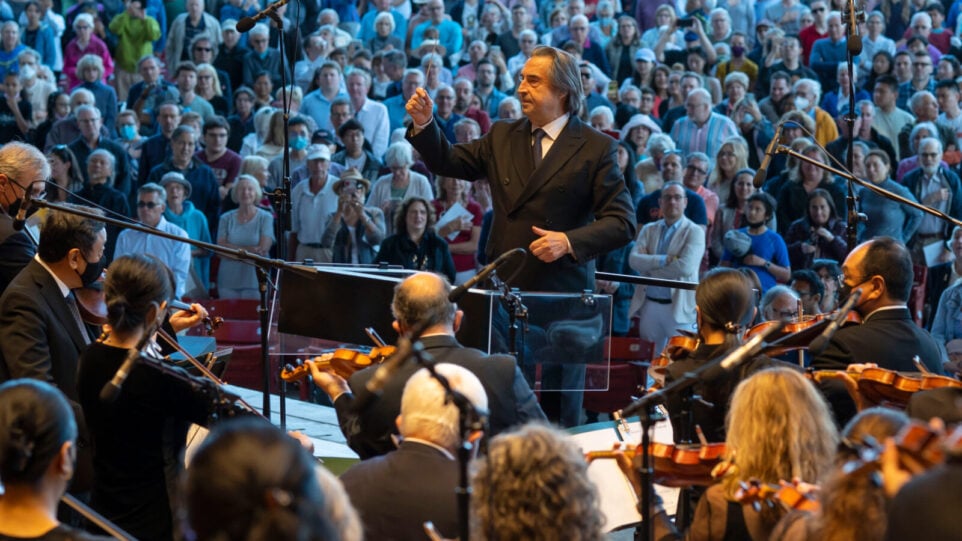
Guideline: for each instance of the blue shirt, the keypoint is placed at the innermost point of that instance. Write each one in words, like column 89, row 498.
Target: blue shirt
column 449, row 34
column 769, row 246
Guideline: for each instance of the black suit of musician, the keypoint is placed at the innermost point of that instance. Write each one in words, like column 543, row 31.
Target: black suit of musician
column 423, row 297
column 569, row 209
column 882, row 270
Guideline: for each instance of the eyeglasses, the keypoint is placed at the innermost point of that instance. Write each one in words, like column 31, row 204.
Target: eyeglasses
column 803, row 294
column 928, row 154
column 147, row 204
column 697, row 170
column 787, row 314
column 203, row 49
column 818, row 10
column 585, row 75
column 726, row 154
column 921, row 64
column 84, row 27
column 672, row 197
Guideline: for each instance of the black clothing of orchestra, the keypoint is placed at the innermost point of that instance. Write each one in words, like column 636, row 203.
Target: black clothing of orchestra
column 510, row 401
column 9, row 130
column 431, row 254
column 132, row 437
column 889, row 338
column 711, row 418
column 396, row 493
column 61, row 533
column 927, row 506
column 16, row 250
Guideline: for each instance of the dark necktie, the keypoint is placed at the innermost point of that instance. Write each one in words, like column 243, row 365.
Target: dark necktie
column 537, row 151
column 75, row 312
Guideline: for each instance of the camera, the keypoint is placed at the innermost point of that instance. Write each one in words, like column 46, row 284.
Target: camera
column 685, row 22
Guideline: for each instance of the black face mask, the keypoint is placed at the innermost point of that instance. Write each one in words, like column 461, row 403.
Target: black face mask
column 93, row 272
column 754, row 225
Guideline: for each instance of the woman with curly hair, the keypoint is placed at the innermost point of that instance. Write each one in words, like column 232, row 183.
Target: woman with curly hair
column 415, row 245
column 804, row 178
column 818, row 234
column 534, row 485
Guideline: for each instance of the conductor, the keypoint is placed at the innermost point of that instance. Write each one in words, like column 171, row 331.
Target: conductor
column 555, row 182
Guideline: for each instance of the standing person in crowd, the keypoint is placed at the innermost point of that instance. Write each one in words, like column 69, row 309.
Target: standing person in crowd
column 804, row 178
column 208, row 88
column 886, row 218
column 40, row 36
column 313, row 200
column 241, row 122
column 261, row 58
column 355, row 230
column 819, row 234
column 245, row 228
column 354, row 155
column 15, row 111
column 401, row 183
column 185, row 28
column 181, row 212
column 58, row 108
column 204, row 191
column 10, row 48
column 90, row 72
column 65, row 174
column 84, row 43
column 766, row 253
column 99, row 190
column 670, row 248
column 224, row 162
column 146, row 96
column 136, row 31
column 731, row 214
column 462, row 233
column 230, row 54
column 90, row 122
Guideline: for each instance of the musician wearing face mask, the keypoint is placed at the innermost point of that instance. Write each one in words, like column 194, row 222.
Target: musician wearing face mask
column 19, row 165
column 881, row 269
column 148, row 419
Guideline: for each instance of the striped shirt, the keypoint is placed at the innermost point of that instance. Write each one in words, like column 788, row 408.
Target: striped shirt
column 706, row 138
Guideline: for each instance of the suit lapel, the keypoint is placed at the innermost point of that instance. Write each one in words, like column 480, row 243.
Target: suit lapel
column 51, row 295
column 569, row 141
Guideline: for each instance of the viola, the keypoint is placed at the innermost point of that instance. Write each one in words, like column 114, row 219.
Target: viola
column 343, row 362
column 756, row 493
column 871, row 386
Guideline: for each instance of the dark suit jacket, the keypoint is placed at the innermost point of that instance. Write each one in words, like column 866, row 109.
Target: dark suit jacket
column 510, row 400
column 16, row 250
column 396, row 493
column 888, row 338
column 40, row 339
column 578, row 190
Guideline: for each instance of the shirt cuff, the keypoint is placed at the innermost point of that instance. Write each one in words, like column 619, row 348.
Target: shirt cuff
column 417, row 128
column 571, row 251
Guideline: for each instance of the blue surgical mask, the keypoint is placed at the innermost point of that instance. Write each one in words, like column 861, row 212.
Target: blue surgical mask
column 299, row 143
column 128, row 132
column 264, row 54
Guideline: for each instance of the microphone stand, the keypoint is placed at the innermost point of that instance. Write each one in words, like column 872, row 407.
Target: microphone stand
column 517, row 311
column 850, row 200
column 781, row 149
column 261, row 263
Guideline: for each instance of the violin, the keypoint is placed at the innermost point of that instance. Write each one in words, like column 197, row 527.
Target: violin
column 678, row 346
column 871, row 386
column 674, row 465
column 798, row 334
column 343, row 362
column 93, row 308
column 756, row 493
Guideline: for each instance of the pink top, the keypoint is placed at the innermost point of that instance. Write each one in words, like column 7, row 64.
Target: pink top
column 73, row 53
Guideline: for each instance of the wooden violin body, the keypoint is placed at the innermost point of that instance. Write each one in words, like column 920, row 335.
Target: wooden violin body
column 756, row 493
column 674, row 465
column 343, row 362
column 872, row 386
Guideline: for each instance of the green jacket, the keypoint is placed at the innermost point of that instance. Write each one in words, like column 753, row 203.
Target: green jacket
column 136, row 39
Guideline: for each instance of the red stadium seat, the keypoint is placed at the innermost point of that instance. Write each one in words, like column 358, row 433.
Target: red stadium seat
column 627, row 371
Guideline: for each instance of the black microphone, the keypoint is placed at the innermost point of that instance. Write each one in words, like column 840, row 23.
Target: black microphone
column 247, row 23
column 854, row 40
column 21, row 219
column 459, row 291
column 821, row 341
column 111, row 390
column 762, row 173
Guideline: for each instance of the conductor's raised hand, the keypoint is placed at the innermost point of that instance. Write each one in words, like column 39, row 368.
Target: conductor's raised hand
column 420, row 107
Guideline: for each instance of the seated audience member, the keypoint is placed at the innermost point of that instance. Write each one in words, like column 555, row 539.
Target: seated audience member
column 415, row 244
column 419, row 298
column 182, row 213
column 100, row 190
column 766, row 254
column 780, row 429
column 151, row 204
column 401, row 183
column 38, row 445
column 245, row 228
column 544, row 468
column 65, row 174
column 249, row 480
column 819, row 234
column 391, row 493
column 461, row 233
column 355, row 230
